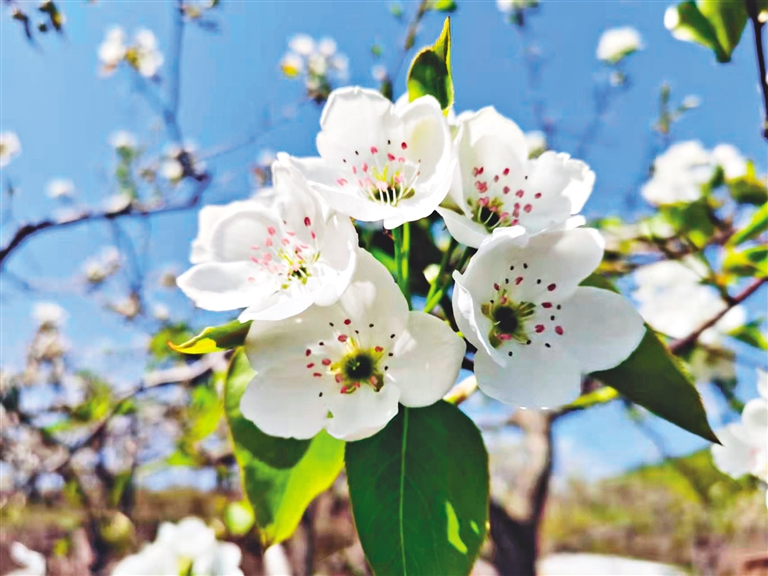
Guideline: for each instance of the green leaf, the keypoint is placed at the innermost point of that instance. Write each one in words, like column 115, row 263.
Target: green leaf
column 419, row 492
column 751, row 334
column 430, row 72
column 239, row 517
column 756, row 226
column 749, row 189
column 215, row 339
column 691, row 220
column 749, row 262
column 653, row 378
column 715, row 24
column 281, row 476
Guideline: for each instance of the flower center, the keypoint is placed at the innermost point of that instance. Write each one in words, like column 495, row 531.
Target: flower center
column 386, row 177
column 358, row 366
column 282, row 253
column 495, row 202
column 508, row 319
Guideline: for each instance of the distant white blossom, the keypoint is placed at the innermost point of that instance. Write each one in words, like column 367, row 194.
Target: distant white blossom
column 678, row 174
column 507, row 6
column 117, row 203
column 123, row 140
column 379, row 72
column 319, row 64
column 98, row 268
column 60, row 188
column 49, row 314
column 161, row 312
column 112, row 50
column 691, row 101
column 302, row 44
column 537, row 143
column 617, row 43
column 32, row 563
column 730, row 160
column 143, row 54
column 10, row 147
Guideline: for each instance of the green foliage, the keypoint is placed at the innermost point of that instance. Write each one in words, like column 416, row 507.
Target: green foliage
column 752, row 262
column 443, row 5
column 419, row 492
column 653, row 378
column 756, row 226
column 750, row 333
column 239, row 517
column 280, row 476
column 715, row 24
column 430, row 72
column 215, row 339
column 692, row 220
column 158, row 345
column 749, row 189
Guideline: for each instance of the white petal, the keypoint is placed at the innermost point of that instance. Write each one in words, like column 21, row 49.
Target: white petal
column 733, row 457
column 362, row 413
column 429, row 140
column 207, row 218
column 488, row 122
column 277, row 306
column 285, row 401
column 755, row 421
column 236, row 232
column 762, row 383
column 339, row 259
column 463, row 229
column 600, row 328
column 225, row 286
column 535, row 376
column 560, row 179
column 427, row 360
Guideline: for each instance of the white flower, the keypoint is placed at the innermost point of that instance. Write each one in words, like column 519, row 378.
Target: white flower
column 49, row 314
column 690, row 102
column 378, row 161
column 317, row 64
column 98, row 269
column 292, row 64
column 123, row 140
column 730, row 160
column 145, row 55
column 536, row 331
column 189, row 546
column 617, row 43
column 10, row 147
column 674, row 302
column 302, row 44
column 497, row 185
column 276, row 561
column 379, row 72
column 345, row 367
column 744, row 447
column 340, row 65
column 274, row 262
column 678, row 174
column 60, row 188
column 32, row 563
column 327, row 47
column 117, row 203
column 507, row 6
column 112, row 50
column 171, row 169
column 536, row 141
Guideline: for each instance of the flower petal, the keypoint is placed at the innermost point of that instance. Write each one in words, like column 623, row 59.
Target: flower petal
column 239, row 230
column 285, row 401
column 464, row 230
column 427, row 359
column 222, row 286
column 362, row 413
column 488, row 122
column 535, row 377
column 599, row 328
column 732, row 457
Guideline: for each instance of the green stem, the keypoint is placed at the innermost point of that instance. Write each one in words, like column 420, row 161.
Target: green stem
column 443, row 264
column 402, row 236
column 443, row 284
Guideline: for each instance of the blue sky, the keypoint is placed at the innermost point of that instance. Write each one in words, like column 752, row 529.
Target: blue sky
column 64, row 112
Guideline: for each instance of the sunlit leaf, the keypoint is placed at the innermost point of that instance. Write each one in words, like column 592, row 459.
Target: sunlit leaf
column 749, row 189
column 751, row 334
column 749, row 262
column 715, row 24
column 756, row 226
column 430, row 72
column 280, row 476
column 419, row 492
column 215, row 339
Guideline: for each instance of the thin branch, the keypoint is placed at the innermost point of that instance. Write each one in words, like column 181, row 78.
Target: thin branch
column 757, row 27
column 131, row 211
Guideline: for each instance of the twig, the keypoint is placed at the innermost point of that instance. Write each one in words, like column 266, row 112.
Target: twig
column 29, row 229
column 757, row 27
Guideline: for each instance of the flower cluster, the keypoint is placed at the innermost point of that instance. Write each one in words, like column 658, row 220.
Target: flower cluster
column 332, row 340
column 10, row 147
column 318, row 64
column 143, row 55
column 617, row 43
column 189, row 547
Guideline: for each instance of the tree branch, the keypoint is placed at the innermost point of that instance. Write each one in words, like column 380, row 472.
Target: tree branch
column 757, row 27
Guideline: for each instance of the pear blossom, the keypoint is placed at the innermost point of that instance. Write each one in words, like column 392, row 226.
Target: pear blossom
column 730, row 160
column 97, row 269
column 49, row 314
column 302, row 44
column 678, row 174
column 161, row 312
column 188, row 547
column 117, row 203
column 344, row 368
column 536, row 331
column 379, row 161
column 618, row 43
column 123, row 140
column 32, row 563
column 292, row 64
column 144, row 55
column 10, row 147
column 673, row 301
column 112, row 50
column 537, row 143
column 274, row 262
column 744, row 448
column 497, row 186
column 60, row 188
